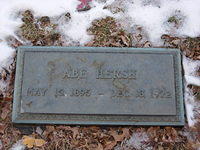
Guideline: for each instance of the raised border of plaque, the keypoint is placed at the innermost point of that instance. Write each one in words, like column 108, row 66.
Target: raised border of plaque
column 90, row 119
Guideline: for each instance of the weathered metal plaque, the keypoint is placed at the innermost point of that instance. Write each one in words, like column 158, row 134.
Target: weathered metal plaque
column 71, row 85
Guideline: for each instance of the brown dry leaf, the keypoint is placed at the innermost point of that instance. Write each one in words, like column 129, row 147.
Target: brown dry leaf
column 110, row 145
column 28, row 141
column 117, row 138
column 126, row 132
column 4, row 75
column 63, row 127
column 48, row 130
column 152, row 131
column 160, row 147
column 39, row 142
column 147, row 44
column 5, row 112
column 196, row 146
column 7, row 98
column 2, row 128
column 125, row 40
column 198, row 57
column 171, row 131
column 121, row 137
column 75, row 130
column 100, row 147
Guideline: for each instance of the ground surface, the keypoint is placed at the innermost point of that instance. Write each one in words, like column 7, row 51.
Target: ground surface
column 41, row 31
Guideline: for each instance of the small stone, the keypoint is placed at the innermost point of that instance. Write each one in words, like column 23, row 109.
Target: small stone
column 68, row 15
column 39, row 130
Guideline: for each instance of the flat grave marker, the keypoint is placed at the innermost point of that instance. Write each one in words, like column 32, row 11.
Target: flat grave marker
column 103, row 86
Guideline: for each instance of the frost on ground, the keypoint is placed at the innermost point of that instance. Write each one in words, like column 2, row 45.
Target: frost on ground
column 156, row 17
column 120, row 23
column 191, row 78
column 139, row 140
column 18, row 146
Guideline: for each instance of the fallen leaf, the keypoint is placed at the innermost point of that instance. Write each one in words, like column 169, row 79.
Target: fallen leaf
column 198, row 57
column 100, row 147
column 120, row 137
column 147, row 44
column 160, row 147
column 117, row 138
column 2, row 128
column 28, row 141
column 125, row 41
column 7, row 98
column 48, row 130
column 39, row 142
column 75, row 130
column 110, row 145
column 5, row 112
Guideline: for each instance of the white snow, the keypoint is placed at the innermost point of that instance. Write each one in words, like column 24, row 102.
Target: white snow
column 138, row 140
column 190, row 67
column 76, row 29
column 153, row 17
column 5, row 51
column 18, row 146
column 192, row 80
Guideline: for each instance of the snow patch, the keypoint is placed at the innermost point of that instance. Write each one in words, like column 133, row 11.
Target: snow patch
column 189, row 105
column 190, row 67
column 154, row 15
column 76, row 29
column 192, row 80
column 138, row 140
column 5, row 52
column 18, row 146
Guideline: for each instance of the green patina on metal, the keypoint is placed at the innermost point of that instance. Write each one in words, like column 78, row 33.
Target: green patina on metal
column 102, row 86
